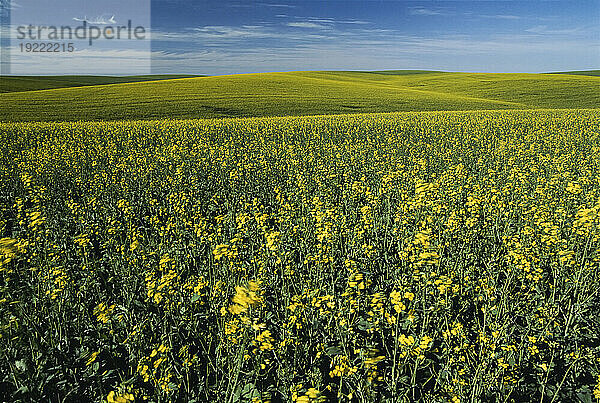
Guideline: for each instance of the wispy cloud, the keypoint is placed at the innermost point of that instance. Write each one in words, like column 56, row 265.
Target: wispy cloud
column 441, row 11
column 312, row 25
column 545, row 30
column 356, row 22
column 324, row 23
column 233, row 36
column 428, row 11
column 230, row 32
column 277, row 5
column 337, row 21
column 499, row 16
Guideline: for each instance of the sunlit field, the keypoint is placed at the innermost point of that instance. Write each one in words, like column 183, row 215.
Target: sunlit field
column 431, row 257
column 289, row 94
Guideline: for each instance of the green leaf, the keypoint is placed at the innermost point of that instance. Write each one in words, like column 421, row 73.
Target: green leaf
column 364, row 325
column 332, row 351
column 246, row 394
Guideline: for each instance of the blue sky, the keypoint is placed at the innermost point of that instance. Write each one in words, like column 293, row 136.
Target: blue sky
column 241, row 36
column 222, row 37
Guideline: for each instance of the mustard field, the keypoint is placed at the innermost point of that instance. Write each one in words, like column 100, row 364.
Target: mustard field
column 287, row 94
column 403, row 257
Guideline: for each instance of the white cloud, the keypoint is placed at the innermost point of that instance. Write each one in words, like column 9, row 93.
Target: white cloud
column 307, row 25
column 230, row 32
column 227, row 36
column 545, row 30
column 357, row 22
column 424, row 11
column 500, row 16
column 326, row 20
column 276, row 5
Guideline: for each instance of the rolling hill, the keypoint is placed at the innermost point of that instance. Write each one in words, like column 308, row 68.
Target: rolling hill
column 34, row 83
column 302, row 93
column 580, row 72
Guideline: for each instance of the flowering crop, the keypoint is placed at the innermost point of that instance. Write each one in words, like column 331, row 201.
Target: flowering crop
column 436, row 256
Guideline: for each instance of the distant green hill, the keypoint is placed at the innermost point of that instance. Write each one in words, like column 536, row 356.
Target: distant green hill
column 302, row 93
column 34, row 83
column 404, row 72
column 580, row 73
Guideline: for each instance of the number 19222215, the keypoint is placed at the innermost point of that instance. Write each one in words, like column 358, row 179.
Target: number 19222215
column 46, row 47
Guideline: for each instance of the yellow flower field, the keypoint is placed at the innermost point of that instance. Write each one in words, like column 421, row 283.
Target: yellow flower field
column 433, row 257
